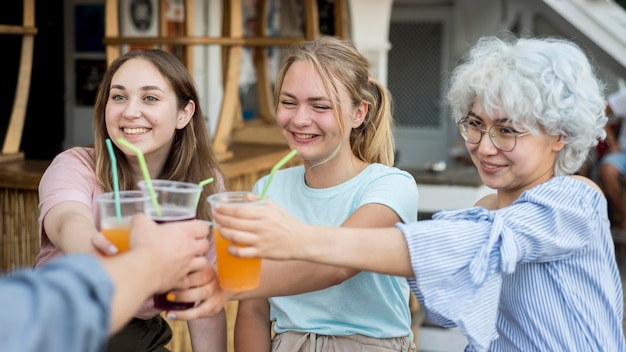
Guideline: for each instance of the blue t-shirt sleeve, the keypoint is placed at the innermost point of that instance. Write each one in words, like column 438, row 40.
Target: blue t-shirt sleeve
column 62, row 306
column 259, row 184
column 395, row 189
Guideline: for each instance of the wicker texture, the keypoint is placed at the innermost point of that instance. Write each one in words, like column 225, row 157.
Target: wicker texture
column 19, row 239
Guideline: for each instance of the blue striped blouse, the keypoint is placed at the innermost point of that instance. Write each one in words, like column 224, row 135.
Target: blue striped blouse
column 539, row 275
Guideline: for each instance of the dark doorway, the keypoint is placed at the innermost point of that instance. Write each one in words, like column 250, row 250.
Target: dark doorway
column 44, row 125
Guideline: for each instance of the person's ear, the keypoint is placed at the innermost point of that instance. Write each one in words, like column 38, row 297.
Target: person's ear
column 185, row 114
column 558, row 143
column 359, row 114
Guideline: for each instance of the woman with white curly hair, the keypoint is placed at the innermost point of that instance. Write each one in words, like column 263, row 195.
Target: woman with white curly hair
column 530, row 267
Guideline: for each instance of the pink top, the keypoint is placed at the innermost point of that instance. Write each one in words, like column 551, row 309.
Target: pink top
column 71, row 177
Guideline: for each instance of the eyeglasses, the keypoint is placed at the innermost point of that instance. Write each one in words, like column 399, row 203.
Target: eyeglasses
column 502, row 137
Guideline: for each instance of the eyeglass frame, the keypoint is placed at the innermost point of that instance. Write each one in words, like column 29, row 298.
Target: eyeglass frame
column 463, row 132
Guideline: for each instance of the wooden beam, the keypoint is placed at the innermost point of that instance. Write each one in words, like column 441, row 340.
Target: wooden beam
column 15, row 129
column 13, row 138
column 261, row 65
column 189, row 49
column 199, row 40
column 230, row 103
column 311, row 20
column 111, row 29
column 341, row 19
column 18, row 30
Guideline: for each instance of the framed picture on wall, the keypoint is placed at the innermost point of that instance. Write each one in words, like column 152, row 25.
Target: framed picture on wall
column 139, row 18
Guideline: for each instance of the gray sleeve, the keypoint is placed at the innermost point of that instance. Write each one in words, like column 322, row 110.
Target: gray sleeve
column 62, row 306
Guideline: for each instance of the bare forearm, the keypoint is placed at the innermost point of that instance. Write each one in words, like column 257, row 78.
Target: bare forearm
column 381, row 250
column 283, row 278
column 133, row 285
column 611, row 140
column 253, row 326
column 71, row 233
column 208, row 334
column 76, row 239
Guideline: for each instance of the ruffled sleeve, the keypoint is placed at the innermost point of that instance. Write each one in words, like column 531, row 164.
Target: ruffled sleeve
column 459, row 256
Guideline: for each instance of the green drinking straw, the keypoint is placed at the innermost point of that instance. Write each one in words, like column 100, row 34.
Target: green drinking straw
column 144, row 170
column 202, row 184
column 278, row 165
column 205, row 182
column 116, row 186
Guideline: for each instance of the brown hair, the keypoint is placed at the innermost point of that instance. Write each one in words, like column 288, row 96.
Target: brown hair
column 191, row 157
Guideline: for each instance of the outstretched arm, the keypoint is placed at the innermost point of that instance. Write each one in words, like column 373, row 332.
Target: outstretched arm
column 70, row 225
column 271, row 232
column 282, row 278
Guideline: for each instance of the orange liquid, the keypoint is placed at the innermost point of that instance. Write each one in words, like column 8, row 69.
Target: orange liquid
column 235, row 274
column 119, row 237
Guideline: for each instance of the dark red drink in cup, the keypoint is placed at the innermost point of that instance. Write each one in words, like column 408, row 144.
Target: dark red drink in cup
column 171, row 215
column 177, row 201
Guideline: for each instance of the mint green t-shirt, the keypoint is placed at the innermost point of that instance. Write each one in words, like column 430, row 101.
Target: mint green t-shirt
column 369, row 304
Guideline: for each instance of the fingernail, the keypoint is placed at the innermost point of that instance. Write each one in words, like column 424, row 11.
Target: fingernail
column 171, row 316
column 170, row 297
column 112, row 249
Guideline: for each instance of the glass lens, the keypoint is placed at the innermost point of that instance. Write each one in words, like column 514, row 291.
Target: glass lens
column 502, row 137
column 470, row 132
column 463, row 129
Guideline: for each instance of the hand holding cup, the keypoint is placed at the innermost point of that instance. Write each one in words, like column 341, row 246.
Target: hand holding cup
column 115, row 212
column 235, row 274
column 266, row 231
column 175, row 256
column 175, row 201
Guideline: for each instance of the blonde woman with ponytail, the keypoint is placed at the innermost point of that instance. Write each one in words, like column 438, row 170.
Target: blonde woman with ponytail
column 339, row 119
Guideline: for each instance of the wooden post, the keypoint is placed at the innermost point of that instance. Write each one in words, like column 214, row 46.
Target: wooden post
column 233, row 28
column 111, row 29
column 12, row 140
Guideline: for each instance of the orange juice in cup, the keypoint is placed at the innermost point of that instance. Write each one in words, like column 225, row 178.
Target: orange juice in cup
column 116, row 213
column 119, row 237
column 234, row 273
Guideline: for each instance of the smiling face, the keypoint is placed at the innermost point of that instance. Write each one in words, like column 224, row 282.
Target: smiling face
column 143, row 108
column 307, row 120
column 530, row 163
